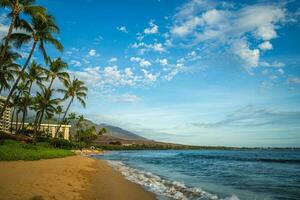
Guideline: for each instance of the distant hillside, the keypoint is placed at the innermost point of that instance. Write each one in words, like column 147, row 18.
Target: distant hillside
column 112, row 131
column 121, row 133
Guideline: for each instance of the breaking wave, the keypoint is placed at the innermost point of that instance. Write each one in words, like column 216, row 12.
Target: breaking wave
column 164, row 188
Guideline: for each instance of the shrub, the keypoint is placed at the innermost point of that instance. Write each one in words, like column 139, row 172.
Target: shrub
column 115, row 143
column 60, row 143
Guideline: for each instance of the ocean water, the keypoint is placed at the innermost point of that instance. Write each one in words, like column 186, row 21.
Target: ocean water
column 212, row 174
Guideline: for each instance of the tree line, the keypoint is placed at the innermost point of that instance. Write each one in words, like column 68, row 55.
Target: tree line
column 27, row 84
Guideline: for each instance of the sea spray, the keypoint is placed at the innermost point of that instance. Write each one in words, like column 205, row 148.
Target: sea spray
column 164, row 188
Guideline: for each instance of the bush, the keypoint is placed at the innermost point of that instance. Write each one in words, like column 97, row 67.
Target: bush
column 66, row 144
column 60, row 143
column 78, row 145
column 115, row 143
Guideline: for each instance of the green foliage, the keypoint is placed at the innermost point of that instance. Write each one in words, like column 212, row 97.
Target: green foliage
column 13, row 150
column 66, row 144
column 115, row 143
column 87, row 135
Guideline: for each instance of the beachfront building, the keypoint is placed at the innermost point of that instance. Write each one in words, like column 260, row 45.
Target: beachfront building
column 48, row 129
column 5, row 119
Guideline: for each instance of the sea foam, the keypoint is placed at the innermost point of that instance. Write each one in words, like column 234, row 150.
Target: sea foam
column 164, row 189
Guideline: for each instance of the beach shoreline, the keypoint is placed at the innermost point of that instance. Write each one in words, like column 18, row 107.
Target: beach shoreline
column 75, row 177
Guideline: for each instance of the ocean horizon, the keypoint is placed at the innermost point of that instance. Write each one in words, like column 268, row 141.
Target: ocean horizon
column 212, row 174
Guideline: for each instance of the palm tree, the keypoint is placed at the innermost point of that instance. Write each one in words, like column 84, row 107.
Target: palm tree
column 24, row 102
column 41, row 32
column 44, row 104
column 73, row 89
column 56, row 70
column 8, row 69
column 59, row 111
column 21, row 91
column 35, row 74
column 102, row 131
column 16, row 8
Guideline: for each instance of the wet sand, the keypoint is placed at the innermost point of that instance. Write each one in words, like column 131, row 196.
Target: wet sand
column 74, row 178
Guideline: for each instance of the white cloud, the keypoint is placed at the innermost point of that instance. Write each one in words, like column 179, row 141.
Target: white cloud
column 128, row 72
column 152, row 29
column 122, row 29
column 265, row 45
column 294, row 80
column 157, row 47
column 280, row 71
column 249, row 56
column 274, row 64
column 135, row 59
column 145, row 63
column 142, row 62
column 123, row 98
column 114, row 59
column 75, row 63
column 163, row 62
column 172, row 72
column 92, row 52
column 213, row 23
column 149, row 76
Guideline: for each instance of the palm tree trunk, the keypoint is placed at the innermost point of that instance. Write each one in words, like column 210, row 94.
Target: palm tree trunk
column 35, row 122
column 65, row 114
column 23, row 120
column 17, row 121
column 40, row 121
column 11, row 27
column 51, row 83
column 18, row 79
column 12, row 119
column 25, row 109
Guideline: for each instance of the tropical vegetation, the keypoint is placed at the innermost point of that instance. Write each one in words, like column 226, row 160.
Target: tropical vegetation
column 41, row 88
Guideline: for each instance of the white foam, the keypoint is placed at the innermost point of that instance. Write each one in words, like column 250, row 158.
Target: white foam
column 167, row 189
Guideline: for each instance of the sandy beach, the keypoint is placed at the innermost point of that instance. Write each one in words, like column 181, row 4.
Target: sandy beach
column 72, row 178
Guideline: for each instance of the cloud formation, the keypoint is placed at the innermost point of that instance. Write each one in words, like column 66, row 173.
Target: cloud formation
column 152, row 29
column 122, row 29
column 210, row 21
column 251, row 116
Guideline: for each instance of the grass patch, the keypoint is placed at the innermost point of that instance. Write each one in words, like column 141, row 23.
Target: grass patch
column 14, row 150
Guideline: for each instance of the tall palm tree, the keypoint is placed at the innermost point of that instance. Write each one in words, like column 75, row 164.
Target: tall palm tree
column 8, row 69
column 35, row 74
column 41, row 32
column 24, row 102
column 74, row 89
column 56, row 70
column 16, row 8
column 44, row 104
column 21, row 91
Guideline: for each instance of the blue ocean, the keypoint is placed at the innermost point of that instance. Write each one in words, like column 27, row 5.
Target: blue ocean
column 212, row 174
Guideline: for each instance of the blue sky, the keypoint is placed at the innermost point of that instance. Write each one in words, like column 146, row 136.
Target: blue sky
column 194, row 72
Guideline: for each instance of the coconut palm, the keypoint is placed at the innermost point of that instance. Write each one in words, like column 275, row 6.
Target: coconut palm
column 41, row 32
column 44, row 104
column 74, row 89
column 56, row 71
column 16, row 8
column 8, row 69
column 24, row 102
column 21, row 91
column 35, row 74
